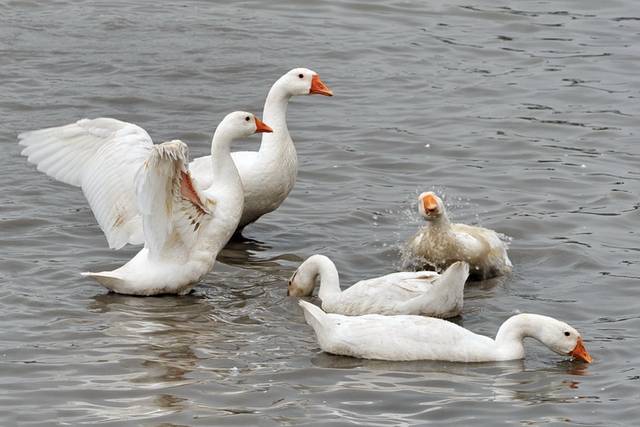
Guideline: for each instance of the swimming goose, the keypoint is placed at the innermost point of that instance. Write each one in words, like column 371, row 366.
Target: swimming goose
column 422, row 292
column 405, row 338
column 185, row 224
column 441, row 243
column 268, row 175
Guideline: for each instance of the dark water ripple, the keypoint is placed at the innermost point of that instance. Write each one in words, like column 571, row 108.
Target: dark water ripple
column 523, row 114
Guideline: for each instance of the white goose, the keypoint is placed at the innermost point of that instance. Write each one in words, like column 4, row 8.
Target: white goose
column 75, row 154
column 185, row 225
column 268, row 175
column 405, row 338
column 422, row 292
column 441, row 243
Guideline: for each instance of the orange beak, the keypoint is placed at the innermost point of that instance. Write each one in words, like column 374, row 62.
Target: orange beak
column 429, row 203
column 261, row 126
column 317, row 86
column 581, row 353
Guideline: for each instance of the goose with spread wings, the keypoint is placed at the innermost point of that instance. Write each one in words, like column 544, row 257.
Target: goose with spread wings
column 129, row 181
column 89, row 154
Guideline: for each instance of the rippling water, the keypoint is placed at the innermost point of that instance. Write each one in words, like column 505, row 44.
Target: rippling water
column 523, row 113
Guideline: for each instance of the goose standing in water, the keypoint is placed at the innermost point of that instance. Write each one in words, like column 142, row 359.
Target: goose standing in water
column 76, row 154
column 184, row 224
column 405, row 338
column 441, row 243
column 423, row 292
column 268, row 175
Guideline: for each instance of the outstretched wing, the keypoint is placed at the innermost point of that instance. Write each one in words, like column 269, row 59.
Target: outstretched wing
column 102, row 156
column 171, row 204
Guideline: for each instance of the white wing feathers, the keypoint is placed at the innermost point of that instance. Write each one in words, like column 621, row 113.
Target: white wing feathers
column 170, row 203
column 102, row 156
column 389, row 287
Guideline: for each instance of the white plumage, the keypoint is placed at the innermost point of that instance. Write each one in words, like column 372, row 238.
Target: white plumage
column 441, row 243
column 423, row 292
column 168, row 217
column 182, row 224
column 102, row 156
column 405, row 338
column 269, row 174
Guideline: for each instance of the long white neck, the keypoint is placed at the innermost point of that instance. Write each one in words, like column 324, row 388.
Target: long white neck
column 226, row 191
column 223, row 166
column 510, row 336
column 324, row 268
column 275, row 114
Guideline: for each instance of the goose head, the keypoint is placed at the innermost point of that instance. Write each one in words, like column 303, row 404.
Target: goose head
column 302, row 81
column 562, row 338
column 555, row 334
column 302, row 281
column 430, row 206
column 241, row 124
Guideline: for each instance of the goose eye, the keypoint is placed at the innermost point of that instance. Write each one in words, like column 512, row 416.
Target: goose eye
column 566, row 334
column 247, row 118
column 301, row 75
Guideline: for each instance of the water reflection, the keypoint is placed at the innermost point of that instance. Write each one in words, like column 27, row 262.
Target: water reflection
column 326, row 360
column 154, row 340
column 485, row 289
column 242, row 250
column 133, row 305
column 500, row 381
column 159, row 332
column 246, row 252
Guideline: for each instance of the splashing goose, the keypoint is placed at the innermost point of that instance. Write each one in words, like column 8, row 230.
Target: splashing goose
column 441, row 243
column 423, row 292
column 185, row 224
column 268, row 175
column 405, row 338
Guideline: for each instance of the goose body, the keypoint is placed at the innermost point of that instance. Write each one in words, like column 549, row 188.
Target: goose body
column 184, row 224
column 424, row 292
column 103, row 155
column 406, row 338
column 441, row 243
column 268, row 175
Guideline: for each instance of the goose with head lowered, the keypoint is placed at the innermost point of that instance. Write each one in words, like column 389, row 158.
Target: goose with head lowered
column 269, row 174
column 406, row 338
column 423, row 292
column 184, row 224
column 441, row 243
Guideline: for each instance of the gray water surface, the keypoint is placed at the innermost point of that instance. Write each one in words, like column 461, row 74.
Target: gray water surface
column 524, row 114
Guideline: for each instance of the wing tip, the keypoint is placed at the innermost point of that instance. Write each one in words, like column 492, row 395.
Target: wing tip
column 171, row 150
